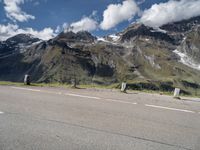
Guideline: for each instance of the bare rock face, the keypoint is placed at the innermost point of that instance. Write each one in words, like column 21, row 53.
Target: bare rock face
column 191, row 44
column 81, row 36
column 22, row 38
column 182, row 26
column 17, row 43
column 140, row 30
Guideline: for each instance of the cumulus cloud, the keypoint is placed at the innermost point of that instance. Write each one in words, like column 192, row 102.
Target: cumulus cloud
column 36, row 3
column 85, row 24
column 65, row 26
column 171, row 11
column 45, row 34
column 6, row 31
column 117, row 13
column 58, row 30
column 14, row 12
column 10, row 30
column 139, row 2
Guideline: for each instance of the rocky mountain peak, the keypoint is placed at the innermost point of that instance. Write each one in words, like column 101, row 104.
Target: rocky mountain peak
column 140, row 30
column 85, row 35
column 182, row 26
column 74, row 37
column 22, row 39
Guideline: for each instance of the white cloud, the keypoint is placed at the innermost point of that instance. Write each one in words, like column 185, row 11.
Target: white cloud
column 117, row 13
column 94, row 13
column 14, row 12
column 58, row 29
column 85, row 24
column 36, row 3
column 171, row 11
column 45, row 34
column 7, row 31
column 10, row 30
column 65, row 26
column 139, row 2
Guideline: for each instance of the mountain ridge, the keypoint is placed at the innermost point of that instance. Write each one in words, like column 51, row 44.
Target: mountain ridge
column 137, row 54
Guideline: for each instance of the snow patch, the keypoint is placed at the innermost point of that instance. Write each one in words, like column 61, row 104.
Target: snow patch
column 187, row 60
column 114, row 37
column 35, row 43
column 24, row 47
column 102, row 39
column 159, row 30
column 151, row 60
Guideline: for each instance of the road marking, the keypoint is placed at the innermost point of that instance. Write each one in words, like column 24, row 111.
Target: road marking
column 82, row 96
column 169, row 108
column 119, row 101
column 1, row 112
column 19, row 88
column 35, row 90
column 76, row 95
column 98, row 98
column 58, row 93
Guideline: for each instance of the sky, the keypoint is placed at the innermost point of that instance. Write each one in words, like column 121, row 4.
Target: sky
column 47, row 18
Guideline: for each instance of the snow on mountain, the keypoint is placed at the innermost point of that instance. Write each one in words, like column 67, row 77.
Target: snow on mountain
column 187, row 60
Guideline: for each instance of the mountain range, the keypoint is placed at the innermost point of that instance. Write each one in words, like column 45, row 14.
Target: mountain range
column 144, row 57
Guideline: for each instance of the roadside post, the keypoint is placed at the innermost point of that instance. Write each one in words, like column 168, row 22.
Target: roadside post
column 27, row 80
column 177, row 93
column 73, row 82
column 123, row 87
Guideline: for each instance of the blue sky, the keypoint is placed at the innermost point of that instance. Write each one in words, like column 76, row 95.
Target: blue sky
column 51, row 14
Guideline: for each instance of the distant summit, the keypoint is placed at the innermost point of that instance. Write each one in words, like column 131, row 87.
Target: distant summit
column 17, row 43
column 79, row 36
column 22, row 38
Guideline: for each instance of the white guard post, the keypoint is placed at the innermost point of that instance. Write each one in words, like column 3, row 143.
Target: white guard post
column 27, row 79
column 176, row 92
column 123, row 87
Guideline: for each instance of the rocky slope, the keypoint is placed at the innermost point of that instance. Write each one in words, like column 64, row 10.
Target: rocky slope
column 16, row 44
column 156, row 59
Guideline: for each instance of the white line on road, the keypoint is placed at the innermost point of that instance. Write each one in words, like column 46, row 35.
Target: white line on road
column 119, row 101
column 91, row 97
column 105, row 99
column 1, row 112
column 19, row 88
column 169, row 108
column 82, row 96
column 58, row 93
column 77, row 95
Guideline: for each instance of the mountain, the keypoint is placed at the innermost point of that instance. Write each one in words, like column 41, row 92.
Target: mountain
column 16, row 44
column 70, row 36
column 190, row 47
column 140, row 30
column 144, row 57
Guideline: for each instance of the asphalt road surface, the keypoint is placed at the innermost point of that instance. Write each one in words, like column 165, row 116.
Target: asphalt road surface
column 38, row 118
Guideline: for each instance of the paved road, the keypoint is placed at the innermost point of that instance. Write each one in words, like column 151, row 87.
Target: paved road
column 36, row 118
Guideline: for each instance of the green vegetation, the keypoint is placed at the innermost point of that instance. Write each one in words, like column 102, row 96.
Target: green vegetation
column 113, row 86
column 162, row 88
column 11, row 83
column 33, row 84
